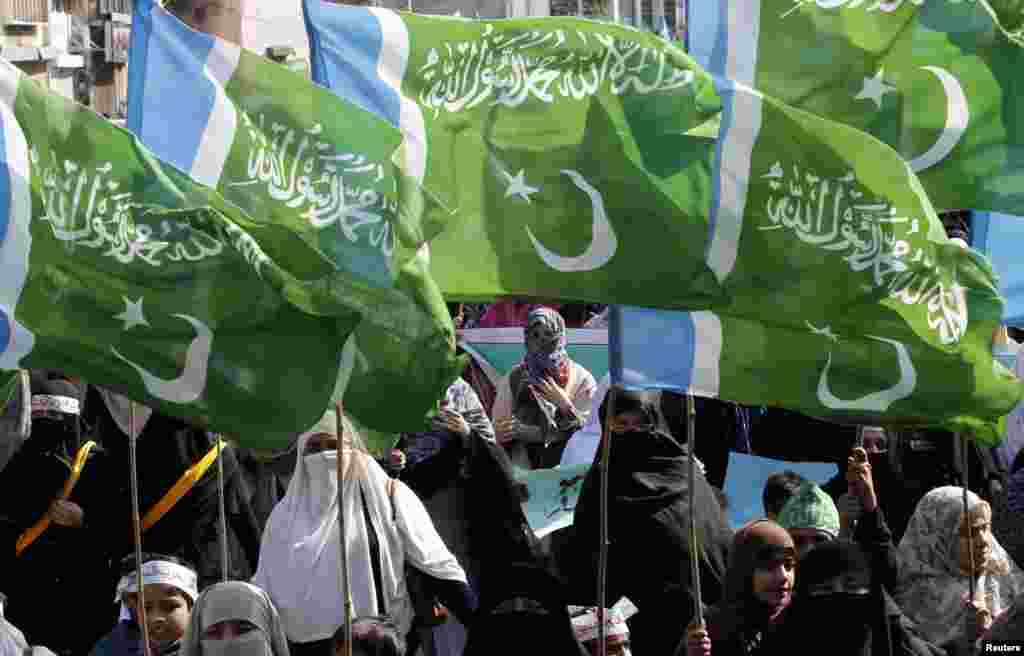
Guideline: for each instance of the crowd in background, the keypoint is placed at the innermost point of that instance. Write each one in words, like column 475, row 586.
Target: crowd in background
column 881, row 559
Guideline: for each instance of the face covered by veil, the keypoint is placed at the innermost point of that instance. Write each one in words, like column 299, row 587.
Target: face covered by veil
column 299, row 557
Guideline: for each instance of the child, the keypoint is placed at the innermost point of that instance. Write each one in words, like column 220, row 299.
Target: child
column 171, row 588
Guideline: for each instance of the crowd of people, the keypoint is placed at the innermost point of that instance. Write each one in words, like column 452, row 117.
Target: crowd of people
column 883, row 559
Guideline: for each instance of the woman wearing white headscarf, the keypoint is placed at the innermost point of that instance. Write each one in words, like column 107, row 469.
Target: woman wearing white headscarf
column 234, row 619
column 935, row 566
column 300, row 560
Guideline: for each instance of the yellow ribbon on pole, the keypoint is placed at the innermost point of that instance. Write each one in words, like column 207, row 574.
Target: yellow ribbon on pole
column 182, row 487
column 36, row 530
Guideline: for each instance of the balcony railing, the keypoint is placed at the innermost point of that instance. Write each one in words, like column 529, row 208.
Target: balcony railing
column 115, row 7
column 24, row 11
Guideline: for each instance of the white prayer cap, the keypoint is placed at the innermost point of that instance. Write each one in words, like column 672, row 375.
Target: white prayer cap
column 587, row 628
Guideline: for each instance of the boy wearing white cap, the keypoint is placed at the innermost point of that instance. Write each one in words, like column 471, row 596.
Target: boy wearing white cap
column 171, row 588
column 586, row 624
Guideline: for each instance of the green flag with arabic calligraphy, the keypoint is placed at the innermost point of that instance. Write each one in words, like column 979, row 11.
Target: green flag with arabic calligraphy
column 594, row 161
column 121, row 269
column 939, row 81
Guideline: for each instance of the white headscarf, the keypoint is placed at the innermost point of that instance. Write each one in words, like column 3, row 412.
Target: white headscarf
column 300, row 560
column 932, row 590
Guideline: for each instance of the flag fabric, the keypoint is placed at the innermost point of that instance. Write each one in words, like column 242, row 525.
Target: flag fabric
column 859, row 366
column 938, row 81
column 565, row 177
column 551, row 496
column 120, row 269
column 1001, row 238
column 306, row 168
column 698, row 193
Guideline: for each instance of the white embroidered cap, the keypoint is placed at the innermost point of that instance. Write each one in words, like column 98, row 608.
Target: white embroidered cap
column 161, row 572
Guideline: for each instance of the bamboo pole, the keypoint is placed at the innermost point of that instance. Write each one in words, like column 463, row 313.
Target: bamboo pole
column 341, row 532
column 602, row 553
column 964, row 464
column 224, row 562
column 691, row 437
column 137, row 526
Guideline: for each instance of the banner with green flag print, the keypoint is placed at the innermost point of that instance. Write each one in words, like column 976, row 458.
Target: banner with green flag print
column 594, row 161
column 939, row 81
column 306, row 169
column 120, row 269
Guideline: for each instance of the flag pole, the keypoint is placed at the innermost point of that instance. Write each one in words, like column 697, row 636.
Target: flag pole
column 602, row 553
column 225, row 565
column 691, row 437
column 964, row 458
column 341, row 532
column 140, row 608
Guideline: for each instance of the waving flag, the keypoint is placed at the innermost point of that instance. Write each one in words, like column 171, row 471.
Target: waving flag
column 305, row 167
column 550, row 168
column 938, row 81
column 842, row 369
column 120, row 269
column 695, row 192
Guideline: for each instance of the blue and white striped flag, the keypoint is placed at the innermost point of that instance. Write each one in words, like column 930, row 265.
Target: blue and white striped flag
column 1001, row 238
column 305, row 166
column 16, row 341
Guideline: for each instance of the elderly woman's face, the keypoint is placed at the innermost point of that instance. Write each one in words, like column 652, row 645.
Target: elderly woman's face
column 976, row 539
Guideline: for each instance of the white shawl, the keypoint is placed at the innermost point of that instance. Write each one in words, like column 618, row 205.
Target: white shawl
column 932, row 591
column 300, row 559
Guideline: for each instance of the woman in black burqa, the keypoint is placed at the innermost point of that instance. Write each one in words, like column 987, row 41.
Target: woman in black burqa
column 648, row 513
column 71, row 556
column 167, row 447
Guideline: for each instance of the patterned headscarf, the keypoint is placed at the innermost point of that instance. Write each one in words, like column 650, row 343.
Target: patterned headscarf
column 811, row 507
column 932, row 590
column 546, row 357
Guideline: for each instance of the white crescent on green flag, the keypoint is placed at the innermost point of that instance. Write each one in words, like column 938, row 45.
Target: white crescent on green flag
column 306, row 170
column 120, row 269
column 597, row 162
column 939, row 81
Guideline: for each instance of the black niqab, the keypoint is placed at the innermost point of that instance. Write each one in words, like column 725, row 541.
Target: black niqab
column 649, row 555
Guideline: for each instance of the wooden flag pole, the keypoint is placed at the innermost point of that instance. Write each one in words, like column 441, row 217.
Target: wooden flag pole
column 225, row 565
column 341, row 532
column 137, row 526
column 691, row 437
column 964, row 465
column 602, row 553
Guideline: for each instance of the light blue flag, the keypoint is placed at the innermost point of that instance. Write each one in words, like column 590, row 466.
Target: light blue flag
column 1001, row 238
column 747, row 474
column 553, row 495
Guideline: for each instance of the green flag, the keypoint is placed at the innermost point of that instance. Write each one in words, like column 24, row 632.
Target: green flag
column 938, row 81
column 121, row 269
column 594, row 161
column 305, row 170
